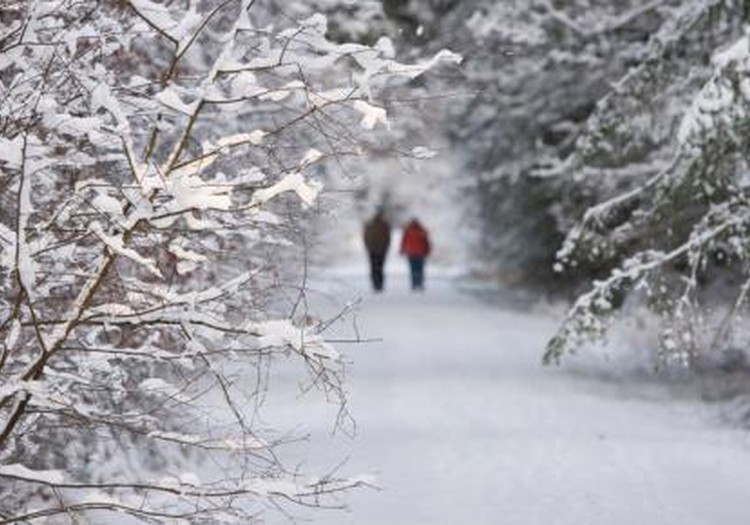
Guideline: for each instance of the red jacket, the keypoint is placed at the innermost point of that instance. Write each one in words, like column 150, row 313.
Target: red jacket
column 415, row 242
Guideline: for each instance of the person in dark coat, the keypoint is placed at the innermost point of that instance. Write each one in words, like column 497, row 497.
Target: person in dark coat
column 377, row 240
column 415, row 245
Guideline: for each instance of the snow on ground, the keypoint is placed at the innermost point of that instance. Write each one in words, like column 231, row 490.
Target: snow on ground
column 461, row 424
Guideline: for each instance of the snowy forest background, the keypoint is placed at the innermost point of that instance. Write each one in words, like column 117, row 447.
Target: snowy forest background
column 173, row 173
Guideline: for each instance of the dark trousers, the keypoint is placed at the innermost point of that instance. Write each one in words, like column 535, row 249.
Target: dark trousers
column 377, row 261
column 416, row 266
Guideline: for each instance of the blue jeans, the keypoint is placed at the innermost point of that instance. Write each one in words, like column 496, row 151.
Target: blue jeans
column 416, row 266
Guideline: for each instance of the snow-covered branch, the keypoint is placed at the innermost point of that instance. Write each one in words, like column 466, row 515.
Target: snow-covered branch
column 157, row 155
column 664, row 233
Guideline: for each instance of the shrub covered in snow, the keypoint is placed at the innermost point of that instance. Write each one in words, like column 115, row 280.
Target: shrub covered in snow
column 153, row 157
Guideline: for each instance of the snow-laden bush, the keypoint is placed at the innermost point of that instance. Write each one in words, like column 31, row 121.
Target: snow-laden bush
column 153, row 156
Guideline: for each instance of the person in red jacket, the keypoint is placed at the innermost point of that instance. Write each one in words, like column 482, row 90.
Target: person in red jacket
column 415, row 244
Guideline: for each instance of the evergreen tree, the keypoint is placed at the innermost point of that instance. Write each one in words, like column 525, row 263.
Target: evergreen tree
column 666, row 151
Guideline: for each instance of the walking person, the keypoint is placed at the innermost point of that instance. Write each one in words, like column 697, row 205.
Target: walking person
column 415, row 244
column 377, row 240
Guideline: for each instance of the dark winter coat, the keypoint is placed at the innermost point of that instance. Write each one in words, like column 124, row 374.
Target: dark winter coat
column 377, row 236
column 415, row 242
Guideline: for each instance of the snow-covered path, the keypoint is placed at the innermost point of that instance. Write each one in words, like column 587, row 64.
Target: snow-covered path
column 462, row 425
